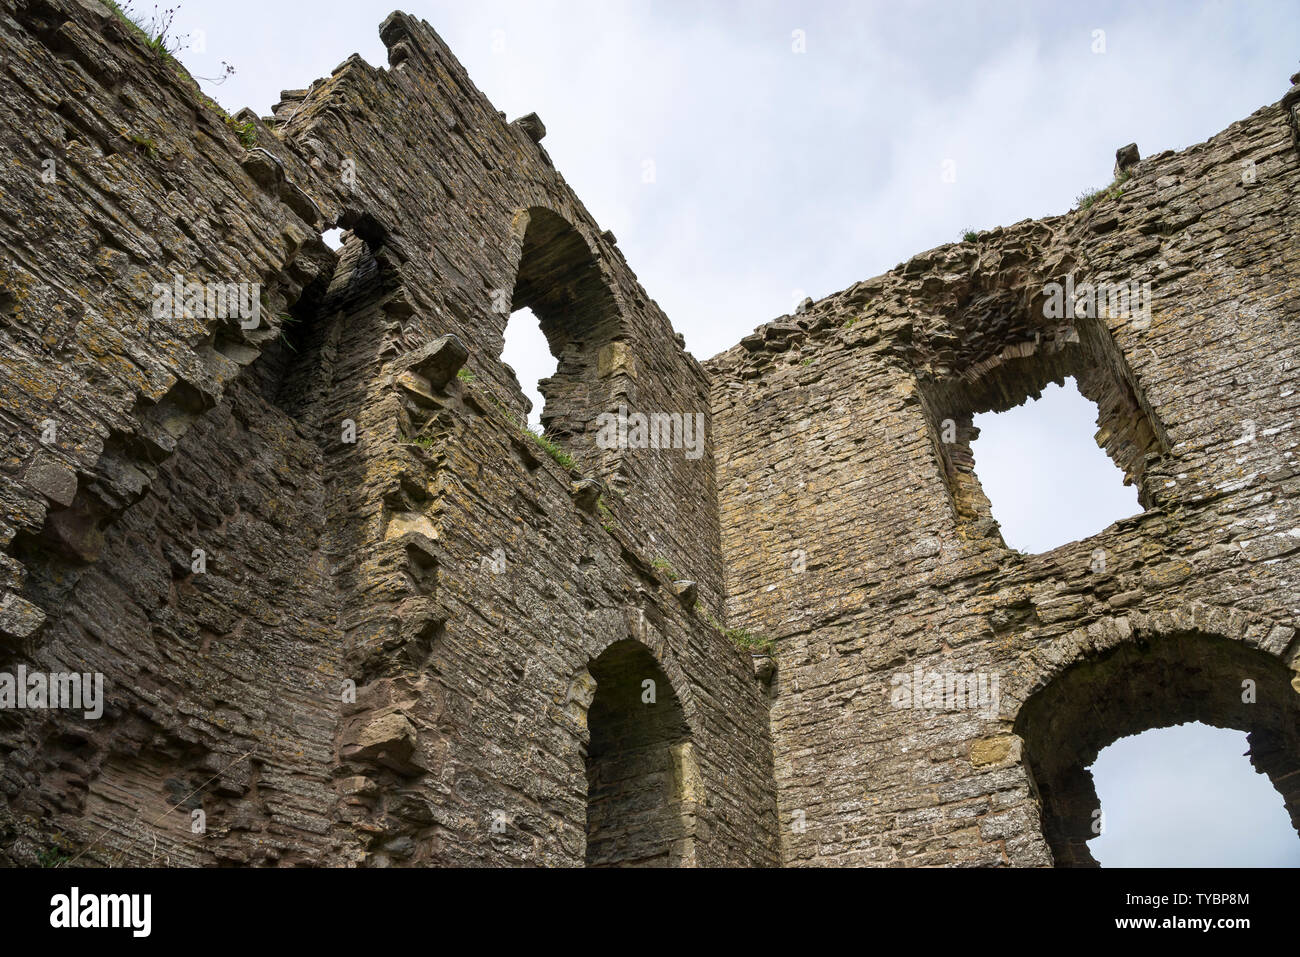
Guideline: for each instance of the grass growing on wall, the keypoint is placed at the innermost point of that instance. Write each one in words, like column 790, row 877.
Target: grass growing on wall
column 742, row 639
column 156, row 33
column 1088, row 198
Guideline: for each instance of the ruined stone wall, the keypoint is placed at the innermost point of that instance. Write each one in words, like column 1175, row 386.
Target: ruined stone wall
column 455, row 222
column 133, row 439
column 857, row 537
column 389, row 654
column 349, row 611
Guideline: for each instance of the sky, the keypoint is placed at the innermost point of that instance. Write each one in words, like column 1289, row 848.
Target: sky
column 799, row 147
column 1039, row 462
column 1178, row 797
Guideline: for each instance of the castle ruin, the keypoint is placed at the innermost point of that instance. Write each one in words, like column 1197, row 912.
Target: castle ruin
column 347, row 612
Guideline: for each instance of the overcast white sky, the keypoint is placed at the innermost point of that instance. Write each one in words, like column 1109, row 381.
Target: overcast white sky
column 1178, row 797
column 780, row 174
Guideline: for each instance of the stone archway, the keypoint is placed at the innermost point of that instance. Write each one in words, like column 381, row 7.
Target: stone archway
column 559, row 279
column 643, row 785
column 1165, row 680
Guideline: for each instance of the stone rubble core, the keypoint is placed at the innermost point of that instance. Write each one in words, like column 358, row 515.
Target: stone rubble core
column 349, row 613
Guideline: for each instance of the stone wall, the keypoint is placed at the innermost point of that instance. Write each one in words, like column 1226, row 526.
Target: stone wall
column 856, row 534
column 349, row 613
column 387, row 650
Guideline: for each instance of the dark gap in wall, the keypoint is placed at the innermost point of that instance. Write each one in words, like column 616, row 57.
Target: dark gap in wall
column 641, row 791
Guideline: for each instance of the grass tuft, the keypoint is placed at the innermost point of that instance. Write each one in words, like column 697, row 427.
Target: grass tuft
column 551, row 448
column 543, row 441
column 144, row 143
column 52, row 857
column 156, row 32
column 1088, row 198
column 247, row 131
column 664, row 566
column 742, row 639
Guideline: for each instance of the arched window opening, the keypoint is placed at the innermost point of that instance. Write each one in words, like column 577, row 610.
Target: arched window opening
column 560, row 282
column 642, row 780
column 1150, row 684
column 1186, row 797
column 1047, row 480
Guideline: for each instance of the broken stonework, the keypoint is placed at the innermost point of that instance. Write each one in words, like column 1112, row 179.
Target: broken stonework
column 1126, row 157
column 347, row 607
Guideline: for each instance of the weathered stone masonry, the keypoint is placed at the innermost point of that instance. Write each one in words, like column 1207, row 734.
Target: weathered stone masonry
column 349, row 612
column 469, row 586
column 829, row 429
